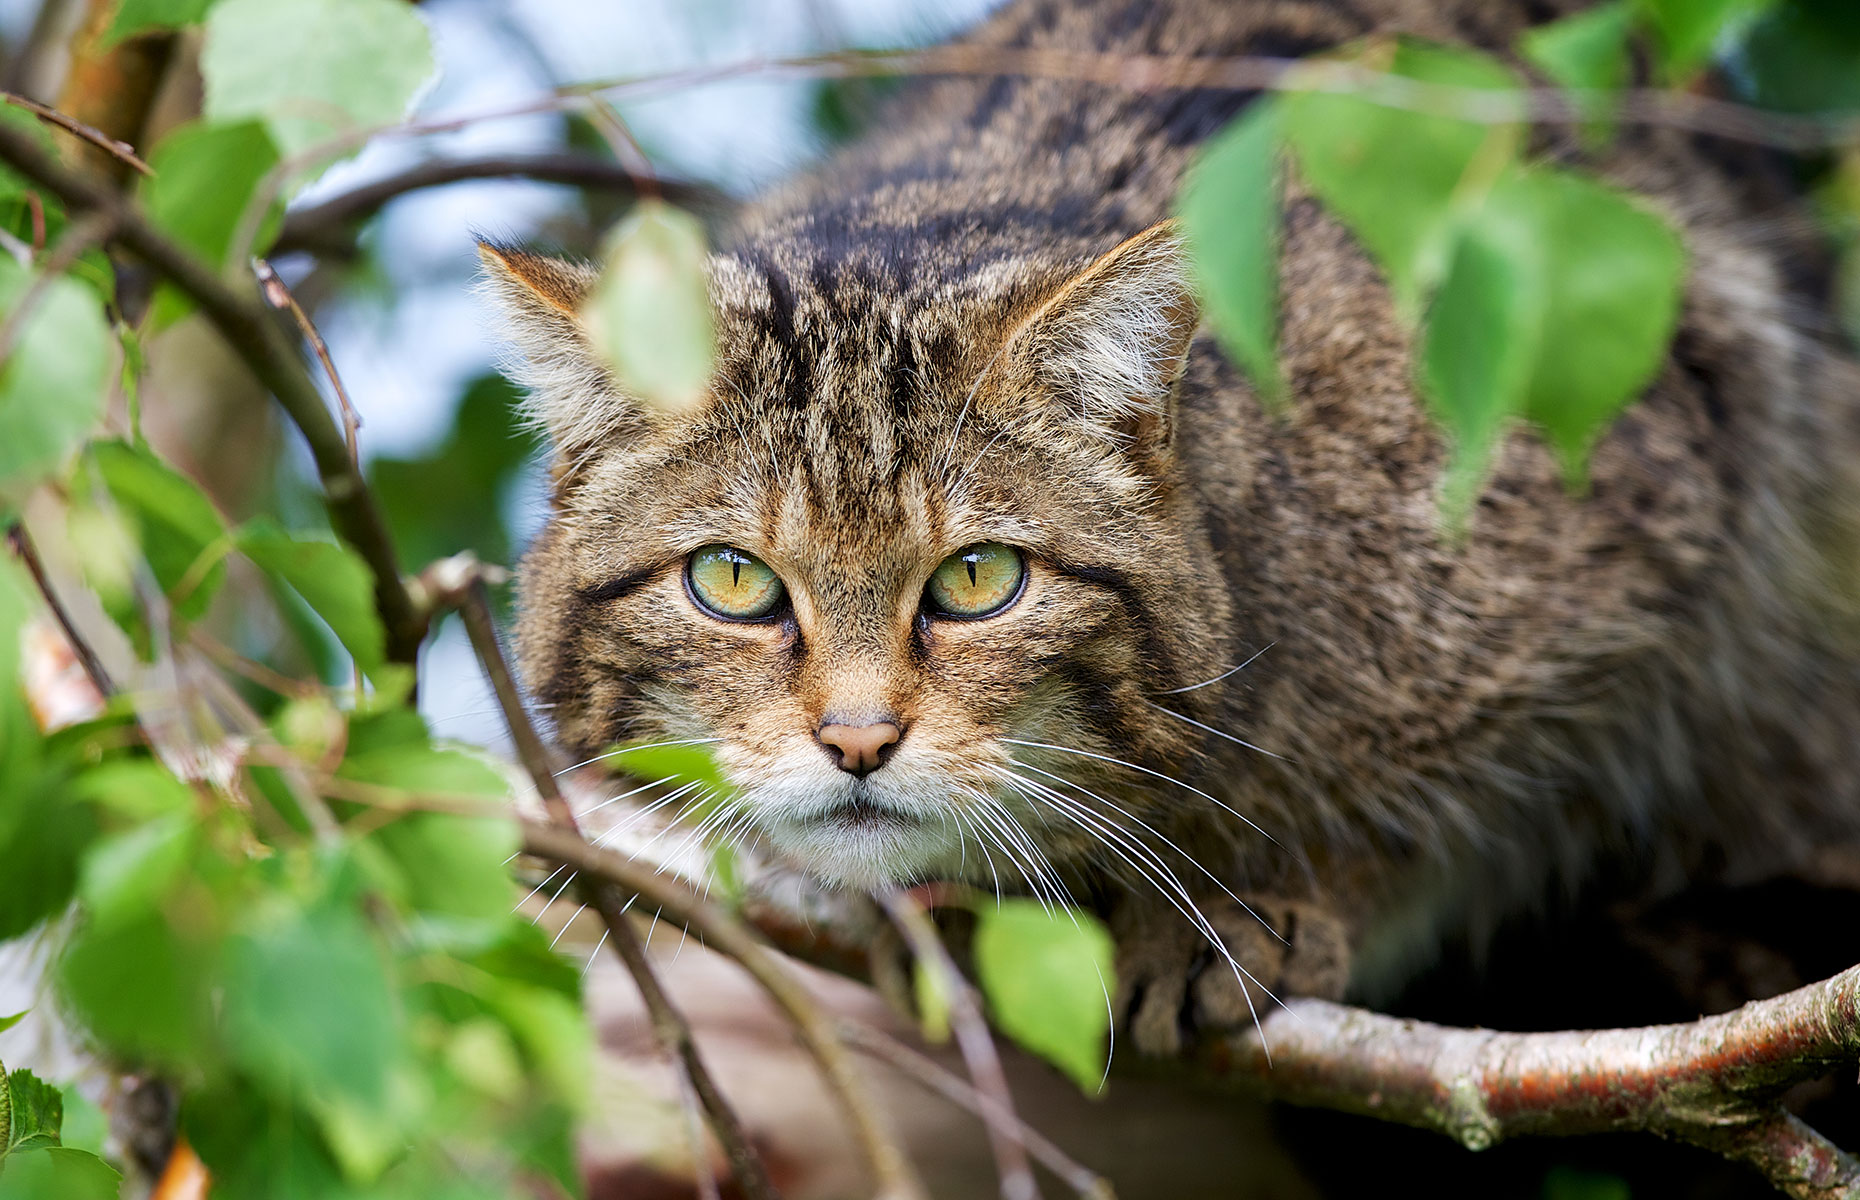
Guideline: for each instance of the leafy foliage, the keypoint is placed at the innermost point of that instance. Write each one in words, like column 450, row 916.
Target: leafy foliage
column 1499, row 264
column 34, row 1162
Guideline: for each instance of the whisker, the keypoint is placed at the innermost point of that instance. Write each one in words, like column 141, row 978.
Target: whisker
column 1162, row 837
column 1155, row 774
column 1224, row 674
column 619, row 750
column 1216, row 732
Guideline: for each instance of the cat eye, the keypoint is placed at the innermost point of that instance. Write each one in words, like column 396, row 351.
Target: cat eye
column 976, row 581
column 733, row 584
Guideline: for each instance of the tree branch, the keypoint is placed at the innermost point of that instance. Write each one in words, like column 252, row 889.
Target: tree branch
column 730, row 936
column 460, row 582
column 247, row 327
column 1713, row 1082
column 316, row 227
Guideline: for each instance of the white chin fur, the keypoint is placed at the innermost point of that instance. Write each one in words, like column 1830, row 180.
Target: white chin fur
column 864, row 856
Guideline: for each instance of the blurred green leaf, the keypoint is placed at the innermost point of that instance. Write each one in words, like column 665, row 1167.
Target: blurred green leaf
column 205, row 176
column 1688, row 32
column 1397, row 176
column 52, row 383
column 649, row 314
column 128, row 873
column 143, row 985
column 84, row 1126
column 313, row 69
column 331, row 578
column 1804, row 57
column 1586, row 53
column 1615, row 273
column 453, row 865
column 35, row 1112
column 139, row 16
column 1230, row 213
column 1047, row 975
column 181, row 531
column 307, row 1009
column 1480, row 341
column 42, row 835
column 484, row 451
column 139, row 789
column 58, row 1173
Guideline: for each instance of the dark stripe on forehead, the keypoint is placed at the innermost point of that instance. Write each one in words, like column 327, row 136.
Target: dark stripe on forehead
column 1158, row 661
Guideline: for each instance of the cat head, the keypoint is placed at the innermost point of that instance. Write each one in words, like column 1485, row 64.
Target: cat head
column 913, row 570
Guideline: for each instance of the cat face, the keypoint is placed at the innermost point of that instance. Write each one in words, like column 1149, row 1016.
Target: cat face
column 911, row 572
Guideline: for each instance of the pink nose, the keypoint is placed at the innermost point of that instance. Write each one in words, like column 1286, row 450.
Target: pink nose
column 862, row 747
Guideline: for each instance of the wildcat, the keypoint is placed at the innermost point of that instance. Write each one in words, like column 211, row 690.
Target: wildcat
column 981, row 561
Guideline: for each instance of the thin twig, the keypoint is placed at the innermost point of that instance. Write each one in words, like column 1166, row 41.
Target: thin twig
column 122, row 151
column 314, row 228
column 959, row 1091
column 460, row 582
column 276, row 294
column 974, row 1040
column 727, row 935
column 28, row 554
column 247, row 327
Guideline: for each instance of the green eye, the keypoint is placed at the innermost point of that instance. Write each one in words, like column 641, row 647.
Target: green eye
column 976, row 581
column 729, row 583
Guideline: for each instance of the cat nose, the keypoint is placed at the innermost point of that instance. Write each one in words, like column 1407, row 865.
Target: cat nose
column 862, row 748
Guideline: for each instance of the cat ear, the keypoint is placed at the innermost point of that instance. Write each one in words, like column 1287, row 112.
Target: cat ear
column 572, row 394
column 1111, row 343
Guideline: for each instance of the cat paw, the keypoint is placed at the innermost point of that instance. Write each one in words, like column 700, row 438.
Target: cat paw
column 1175, row 986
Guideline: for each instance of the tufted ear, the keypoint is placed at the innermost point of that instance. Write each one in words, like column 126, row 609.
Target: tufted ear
column 1110, row 344
column 572, row 395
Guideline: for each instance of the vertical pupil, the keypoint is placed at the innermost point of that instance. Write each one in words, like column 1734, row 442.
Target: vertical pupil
column 969, row 561
column 736, row 571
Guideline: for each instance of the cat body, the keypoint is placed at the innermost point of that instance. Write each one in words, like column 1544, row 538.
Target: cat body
column 1245, row 663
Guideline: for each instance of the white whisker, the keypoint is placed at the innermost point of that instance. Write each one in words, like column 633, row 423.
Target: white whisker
column 1224, row 674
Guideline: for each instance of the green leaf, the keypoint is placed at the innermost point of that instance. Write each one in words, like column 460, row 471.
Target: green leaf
column 139, row 789
column 204, row 178
column 52, row 384
column 481, row 458
column 182, row 535
column 7, row 1023
column 1588, row 54
column 1230, row 213
column 1804, row 57
column 453, row 865
column 649, row 314
column 143, row 985
column 307, row 1009
column 1687, row 32
column 58, row 1173
column 128, row 873
column 335, row 583
column 1047, row 976
column 42, row 835
column 1614, row 280
column 139, row 16
column 84, row 1127
column 1398, row 176
column 314, row 69
column 1551, row 260
column 1480, row 342
column 35, row 1111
